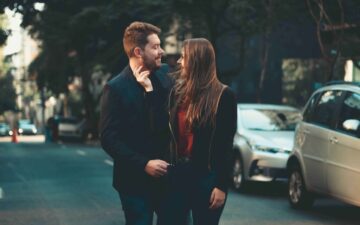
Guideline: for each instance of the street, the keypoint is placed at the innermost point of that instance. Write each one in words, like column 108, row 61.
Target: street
column 70, row 184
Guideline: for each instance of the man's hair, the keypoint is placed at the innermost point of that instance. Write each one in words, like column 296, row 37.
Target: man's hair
column 136, row 34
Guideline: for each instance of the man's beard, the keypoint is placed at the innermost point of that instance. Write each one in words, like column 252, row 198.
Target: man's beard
column 150, row 64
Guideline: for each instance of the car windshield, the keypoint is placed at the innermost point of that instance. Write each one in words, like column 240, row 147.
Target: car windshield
column 270, row 119
column 27, row 126
column 24, row 122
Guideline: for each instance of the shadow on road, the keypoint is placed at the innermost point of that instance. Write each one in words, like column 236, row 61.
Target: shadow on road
column 324, row 207
column 275, row 188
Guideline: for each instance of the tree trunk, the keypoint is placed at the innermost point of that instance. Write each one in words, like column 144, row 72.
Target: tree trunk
column 263, row 62
column 265, row 50
column 89, row 104
column 332, row 65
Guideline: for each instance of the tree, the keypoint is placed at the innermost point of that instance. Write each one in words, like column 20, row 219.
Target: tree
column 7, row 93
column 337, row 30
column 79, row 36
column 243, row 20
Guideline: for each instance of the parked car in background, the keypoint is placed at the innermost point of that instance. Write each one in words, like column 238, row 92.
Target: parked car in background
column 326, row 154
column 5, row 130
column 24, row 121
column 263, row 142
column 71, row 128
column 27, row 128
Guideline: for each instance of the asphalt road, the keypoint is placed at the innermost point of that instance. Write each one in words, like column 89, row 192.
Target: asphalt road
column 70, row 184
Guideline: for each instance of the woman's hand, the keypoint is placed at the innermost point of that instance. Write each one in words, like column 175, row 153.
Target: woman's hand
column 142, row 77
column 217, row 198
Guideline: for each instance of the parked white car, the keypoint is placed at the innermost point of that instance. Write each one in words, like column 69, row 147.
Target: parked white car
column 71, row 127
column 27, row 128
column 263, row 142
column 326, row 154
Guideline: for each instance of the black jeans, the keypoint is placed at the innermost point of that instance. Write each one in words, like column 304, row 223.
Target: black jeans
column 139, row 208
column 189, row 190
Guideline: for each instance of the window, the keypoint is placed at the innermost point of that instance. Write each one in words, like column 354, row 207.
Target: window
column 270, row 119
column 349, row 118
column 310, row 108
column 325, row 108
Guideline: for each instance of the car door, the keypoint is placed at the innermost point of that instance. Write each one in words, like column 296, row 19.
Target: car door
column 315, row 131
column 343, row 162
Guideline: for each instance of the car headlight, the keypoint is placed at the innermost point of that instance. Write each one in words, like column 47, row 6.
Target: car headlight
column 34, row 130
column 269, row 149
column 11, row 132
column 21, row 130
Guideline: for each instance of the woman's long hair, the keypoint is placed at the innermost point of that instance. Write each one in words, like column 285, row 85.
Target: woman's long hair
column 197, row 86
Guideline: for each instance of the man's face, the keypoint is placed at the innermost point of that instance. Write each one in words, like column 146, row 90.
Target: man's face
column 152, row 53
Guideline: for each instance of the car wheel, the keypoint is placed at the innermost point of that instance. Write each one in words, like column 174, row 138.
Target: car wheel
column 299, row 197
column 238, row 178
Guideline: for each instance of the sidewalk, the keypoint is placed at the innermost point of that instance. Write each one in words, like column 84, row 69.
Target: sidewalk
column 41, row 139
column 25, row 138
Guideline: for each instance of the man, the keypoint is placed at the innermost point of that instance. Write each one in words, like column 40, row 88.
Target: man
column 133, row 124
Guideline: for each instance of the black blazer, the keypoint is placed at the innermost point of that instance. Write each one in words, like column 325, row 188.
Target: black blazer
column 127, row 133
column 212, row 145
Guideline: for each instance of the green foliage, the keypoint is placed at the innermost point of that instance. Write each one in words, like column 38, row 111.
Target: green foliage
column 76, row 36
column 214, row 18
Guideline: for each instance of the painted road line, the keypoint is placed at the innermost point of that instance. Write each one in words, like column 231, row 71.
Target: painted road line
column 1, row 193
column 81, row 152
column 111, row 163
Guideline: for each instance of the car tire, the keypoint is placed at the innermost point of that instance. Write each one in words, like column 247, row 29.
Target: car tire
column 299, row 197
column 238, row 178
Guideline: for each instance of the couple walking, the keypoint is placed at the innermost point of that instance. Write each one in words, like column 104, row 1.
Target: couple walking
column 170, row 135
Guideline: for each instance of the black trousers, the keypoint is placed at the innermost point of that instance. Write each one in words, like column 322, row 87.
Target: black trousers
column 189, row 190
column 139, row 207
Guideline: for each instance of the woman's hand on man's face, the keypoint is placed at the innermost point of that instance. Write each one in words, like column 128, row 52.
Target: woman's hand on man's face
column 142, row 77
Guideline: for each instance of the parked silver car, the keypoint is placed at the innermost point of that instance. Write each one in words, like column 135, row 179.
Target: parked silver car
column 326, row 154
column 263, row 142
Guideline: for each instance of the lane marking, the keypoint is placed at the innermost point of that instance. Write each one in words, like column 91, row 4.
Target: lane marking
column 111, row 163
column 1, row 193
column 81, row 152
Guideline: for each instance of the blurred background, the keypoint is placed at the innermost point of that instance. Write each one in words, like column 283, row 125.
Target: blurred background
column 55, row 56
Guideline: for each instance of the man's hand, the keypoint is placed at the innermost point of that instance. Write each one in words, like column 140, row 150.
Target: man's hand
column 217, row 198
column 156, row 168
column 142, row 77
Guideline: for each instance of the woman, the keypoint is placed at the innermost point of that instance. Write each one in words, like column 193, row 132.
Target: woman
column 202, row 124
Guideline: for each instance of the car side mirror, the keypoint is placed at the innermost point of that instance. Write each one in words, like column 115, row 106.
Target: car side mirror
column 351, row 124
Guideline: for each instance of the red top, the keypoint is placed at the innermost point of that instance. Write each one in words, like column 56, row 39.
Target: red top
column 185, row 135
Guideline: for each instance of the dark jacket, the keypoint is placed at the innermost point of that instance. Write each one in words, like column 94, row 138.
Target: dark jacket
column 127, row 132
column 212, row 145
